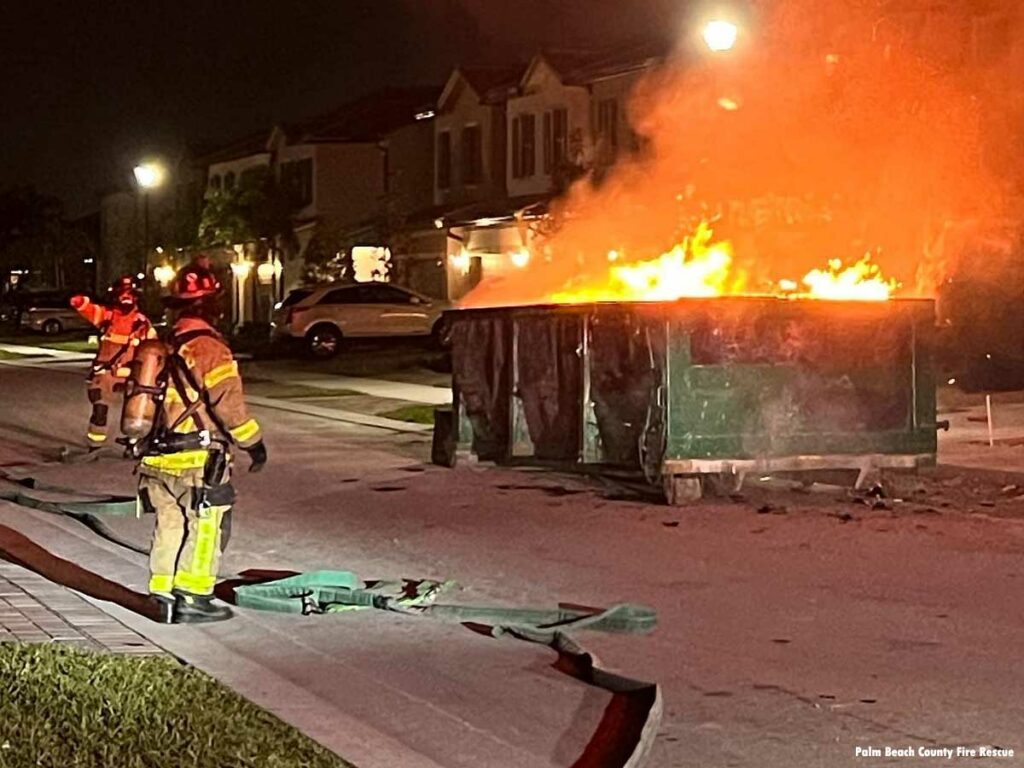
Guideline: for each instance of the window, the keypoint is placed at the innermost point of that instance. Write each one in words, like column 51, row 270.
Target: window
column 215, row 182
column 556, row 139
column 297, row 181
column 378, row 293
column 341, row 296
column 608, row 123
column 472, row 155
column 444, row 160
column 524, row 146
column 229, row 181
column 296, row 296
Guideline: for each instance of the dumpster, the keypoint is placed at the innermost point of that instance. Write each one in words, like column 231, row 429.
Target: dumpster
column 698, row 392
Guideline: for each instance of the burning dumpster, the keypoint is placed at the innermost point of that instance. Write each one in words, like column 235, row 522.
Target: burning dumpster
column 693, row 389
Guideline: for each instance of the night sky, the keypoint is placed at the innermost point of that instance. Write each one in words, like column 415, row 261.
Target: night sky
column 89, row 87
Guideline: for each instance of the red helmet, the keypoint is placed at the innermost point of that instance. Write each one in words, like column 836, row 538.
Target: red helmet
column 124, row 291
column 194, row 283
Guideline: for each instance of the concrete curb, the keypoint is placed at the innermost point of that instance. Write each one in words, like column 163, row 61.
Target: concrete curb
column 347, row 417
column 56, row 354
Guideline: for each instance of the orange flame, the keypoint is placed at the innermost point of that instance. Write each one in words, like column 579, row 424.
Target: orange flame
column 702, row 267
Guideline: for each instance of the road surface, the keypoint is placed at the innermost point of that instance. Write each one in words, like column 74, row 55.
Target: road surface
column 793, row 627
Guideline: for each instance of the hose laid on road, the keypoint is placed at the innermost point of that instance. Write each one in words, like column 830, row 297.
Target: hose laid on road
column 630, row 721
column 86, row 508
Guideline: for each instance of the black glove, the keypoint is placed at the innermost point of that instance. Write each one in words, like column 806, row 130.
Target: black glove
column 257, row 456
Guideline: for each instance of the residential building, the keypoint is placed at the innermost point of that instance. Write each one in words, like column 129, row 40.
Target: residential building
column 470, row 133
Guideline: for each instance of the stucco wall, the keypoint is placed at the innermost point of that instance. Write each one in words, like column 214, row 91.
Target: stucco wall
column 545, row 92
column 467, row 110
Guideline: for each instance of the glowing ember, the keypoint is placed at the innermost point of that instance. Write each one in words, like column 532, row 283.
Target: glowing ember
column 701, row 267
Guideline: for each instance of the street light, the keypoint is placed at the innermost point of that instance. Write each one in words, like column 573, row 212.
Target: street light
column 720, row 35
column 148, row 175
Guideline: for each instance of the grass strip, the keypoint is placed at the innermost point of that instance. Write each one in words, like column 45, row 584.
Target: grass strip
column 416, row 414
column 64, row 707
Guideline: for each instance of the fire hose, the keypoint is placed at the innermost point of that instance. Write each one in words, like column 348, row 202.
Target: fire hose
column 630, row 720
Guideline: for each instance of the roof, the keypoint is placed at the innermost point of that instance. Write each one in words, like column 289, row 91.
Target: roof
column 253, row 144
column 491, row 84
column 369, row 118
column 582, row 66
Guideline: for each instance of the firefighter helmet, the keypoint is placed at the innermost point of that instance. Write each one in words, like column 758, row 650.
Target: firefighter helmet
column 194, row 283
column 124, row 291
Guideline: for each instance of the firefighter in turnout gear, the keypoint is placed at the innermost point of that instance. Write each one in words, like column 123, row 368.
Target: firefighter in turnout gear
column 122, row 328
column 187, row 461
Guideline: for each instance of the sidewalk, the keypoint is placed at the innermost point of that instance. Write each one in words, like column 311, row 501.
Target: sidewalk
column 393, row 390
column 26, row 352
column 35, row 610
column 966, row 444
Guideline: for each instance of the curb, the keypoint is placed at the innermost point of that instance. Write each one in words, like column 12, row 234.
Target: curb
column 346, row 417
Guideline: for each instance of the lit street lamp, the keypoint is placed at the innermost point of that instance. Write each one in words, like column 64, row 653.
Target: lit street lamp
column 720, row 35
column 148, row 175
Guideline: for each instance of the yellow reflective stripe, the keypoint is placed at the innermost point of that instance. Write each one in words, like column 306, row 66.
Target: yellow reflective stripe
column 161, row 583
column 117, row 338
column 96, row 437
column 245, row 431
column 177, row 461
column 188, row 425
column 220, row 373
column 194, row 585
column 172, row 395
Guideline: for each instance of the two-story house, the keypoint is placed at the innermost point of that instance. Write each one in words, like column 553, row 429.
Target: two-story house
column 564, row 116
column 358, row 171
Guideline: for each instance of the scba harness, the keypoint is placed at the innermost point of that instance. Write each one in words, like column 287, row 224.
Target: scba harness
column 163, row 439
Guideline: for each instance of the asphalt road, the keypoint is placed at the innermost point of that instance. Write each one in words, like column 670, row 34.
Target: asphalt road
column 787, row 637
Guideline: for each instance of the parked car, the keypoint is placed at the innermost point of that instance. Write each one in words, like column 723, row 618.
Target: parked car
column 322, row 316
column 50, row 314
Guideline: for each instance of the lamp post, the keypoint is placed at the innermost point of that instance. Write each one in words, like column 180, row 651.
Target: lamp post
column 148, row 175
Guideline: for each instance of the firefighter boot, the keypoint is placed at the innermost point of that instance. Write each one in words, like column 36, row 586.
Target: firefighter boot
column 165, row 606
column 196, row 609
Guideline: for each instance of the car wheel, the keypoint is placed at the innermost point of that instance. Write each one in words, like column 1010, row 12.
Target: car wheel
column 52, row 327
column 324, row 341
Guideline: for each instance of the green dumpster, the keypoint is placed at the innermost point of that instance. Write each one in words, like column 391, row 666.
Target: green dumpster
column 699, row 388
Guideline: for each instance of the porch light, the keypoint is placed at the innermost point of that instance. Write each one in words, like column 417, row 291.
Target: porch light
column 163, row 274
column 265, row 273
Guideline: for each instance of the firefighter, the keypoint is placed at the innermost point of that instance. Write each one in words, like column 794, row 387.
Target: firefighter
column 122, row 327
column 187, row 462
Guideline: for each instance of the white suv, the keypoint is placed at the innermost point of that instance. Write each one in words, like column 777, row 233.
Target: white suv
column 324, row 315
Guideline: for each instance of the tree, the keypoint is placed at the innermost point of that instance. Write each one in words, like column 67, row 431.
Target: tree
column 35, row 236
column 256, row 209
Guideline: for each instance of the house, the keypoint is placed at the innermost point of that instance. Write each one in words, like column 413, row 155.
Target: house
column 570, row 115
column 511, row 139
column 470, row 135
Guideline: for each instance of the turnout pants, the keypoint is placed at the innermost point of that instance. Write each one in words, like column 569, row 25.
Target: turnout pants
column 188, row 539
column 103, row 390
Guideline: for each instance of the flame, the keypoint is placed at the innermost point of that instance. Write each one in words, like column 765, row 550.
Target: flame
column 863, row 281
column 702, row 267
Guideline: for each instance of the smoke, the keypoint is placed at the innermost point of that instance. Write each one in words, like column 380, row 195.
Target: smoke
column 831, row 133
